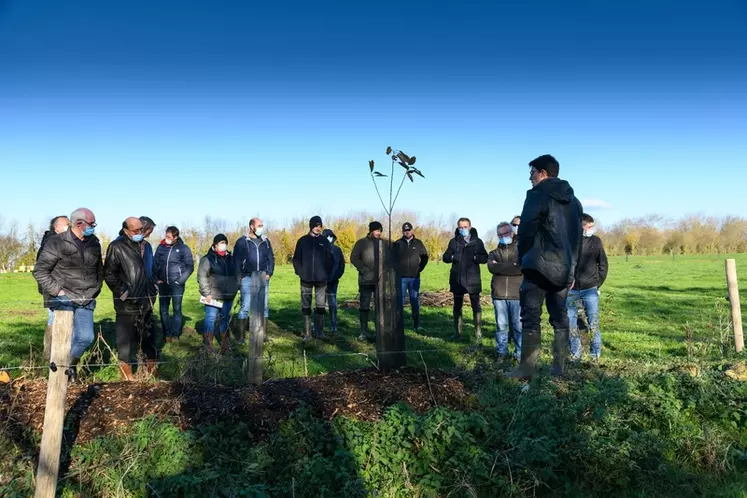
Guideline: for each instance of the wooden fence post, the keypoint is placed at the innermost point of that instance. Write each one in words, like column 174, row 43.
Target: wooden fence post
column 390, row 332
column 54, row 412
column 736, row 308
column 256, row 365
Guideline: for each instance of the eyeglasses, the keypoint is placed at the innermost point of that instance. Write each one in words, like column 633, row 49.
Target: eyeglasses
column 92, row 225
column 514, row 224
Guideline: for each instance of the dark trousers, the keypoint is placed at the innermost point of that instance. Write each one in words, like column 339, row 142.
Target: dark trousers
column 474, row 299
column 366, row 294
column 171, row 294
column 135, row 331
column 320, row 296
column 533, row 293
column 332, row 303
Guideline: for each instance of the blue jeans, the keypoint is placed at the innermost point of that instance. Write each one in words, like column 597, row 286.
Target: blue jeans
column 332, row 303
column 171, row 294
column 50, row 317
column 211, row 316
column 507, row 312
column 82, row 322
column 590, row 300
column 246, row 296
column 411, row 286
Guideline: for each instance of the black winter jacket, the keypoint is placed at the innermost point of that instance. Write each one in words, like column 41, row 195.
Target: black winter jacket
column 125, row 271
column 363, row 257
column 591, row 270
column 60, row 266
column 411, row 257
column 217, row 276
column 504, row 265
column 174, row 263
column 312, row 259
column 550, row 233
column 465, row 258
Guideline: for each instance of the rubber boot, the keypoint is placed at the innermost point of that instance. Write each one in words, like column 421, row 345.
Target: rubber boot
column 530, row 351
column 319, row 326
column 240, row 331
column 457, row 326
column 559, row 352
column 207, row 341
column 416, row 320
column 47, row 343
column 307, row 327
column 73, row 369
column 126, row 370
column 225, row 343
column 478, row 327
column 364, row 326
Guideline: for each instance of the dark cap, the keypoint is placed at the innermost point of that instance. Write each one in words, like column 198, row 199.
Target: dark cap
column 407, row 226
column 220, row 238
column 315, row 221
column 374, row 225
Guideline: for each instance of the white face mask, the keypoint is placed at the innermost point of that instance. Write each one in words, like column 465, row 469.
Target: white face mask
column 168, row 241
column 259, row 231
column 222, row 247
column 331, row 239
column 588, row 232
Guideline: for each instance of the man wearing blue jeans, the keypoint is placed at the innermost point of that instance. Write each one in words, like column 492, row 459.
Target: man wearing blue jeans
column 503, row 263
column 591, row 273
column 411, row 257
column 252, row 253
column 69, row 270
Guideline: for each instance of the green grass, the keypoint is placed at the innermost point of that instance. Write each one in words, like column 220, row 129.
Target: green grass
column 636, row 425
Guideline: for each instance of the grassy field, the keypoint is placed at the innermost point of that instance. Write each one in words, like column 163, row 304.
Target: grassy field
column 637, row 424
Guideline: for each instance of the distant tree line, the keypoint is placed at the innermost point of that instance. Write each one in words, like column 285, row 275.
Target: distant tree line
column 651, row 235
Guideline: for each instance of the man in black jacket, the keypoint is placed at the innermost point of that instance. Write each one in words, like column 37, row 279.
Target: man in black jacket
column 312, row 262
column 134, row 291
column 466, row 252
column 363, row 257
column 591, row 273
column 548, row 249
column 504, row 265
column 411, row 257
column 70, row 273
column 58, row 225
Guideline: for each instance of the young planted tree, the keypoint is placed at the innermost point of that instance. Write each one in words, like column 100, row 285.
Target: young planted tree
column 390, row 329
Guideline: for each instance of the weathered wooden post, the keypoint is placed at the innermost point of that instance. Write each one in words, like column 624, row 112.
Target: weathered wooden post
column 54, row 412
column 256, row 363
column 390, row 333
column 736, row 308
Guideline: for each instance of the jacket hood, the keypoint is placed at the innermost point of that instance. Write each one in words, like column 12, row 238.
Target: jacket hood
column 558, row 189
column 472, row 233
column 329, row 233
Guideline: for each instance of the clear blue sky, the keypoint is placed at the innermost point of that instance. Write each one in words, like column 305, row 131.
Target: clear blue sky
column 238, row 108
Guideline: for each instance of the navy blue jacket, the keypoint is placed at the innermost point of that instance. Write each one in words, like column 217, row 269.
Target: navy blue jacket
column 250, row 257
column 312, row 259
column 174, row 263
column 338, row 265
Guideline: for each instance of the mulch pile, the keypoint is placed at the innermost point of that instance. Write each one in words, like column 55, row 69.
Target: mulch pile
column 101, row 409
column 438, row 299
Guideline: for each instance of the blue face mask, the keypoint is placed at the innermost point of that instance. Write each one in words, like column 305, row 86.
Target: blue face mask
column 88, row 231
column 464, row 232
column 138, row 238
column 505, row 240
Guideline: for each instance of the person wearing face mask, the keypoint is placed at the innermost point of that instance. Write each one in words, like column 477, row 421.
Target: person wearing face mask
column 216, row 276
column 363, row 257
column 173, row 266
column 252, row 253
column 411, row 257
column 57, row 225
column 515, row 222
column 69, row 271
column 466, row 252
column 312, row 262
column 504, row 265
column 591, row 272
column 548, row 250
column 134, row 293
column 150, row 263
column 338, row 270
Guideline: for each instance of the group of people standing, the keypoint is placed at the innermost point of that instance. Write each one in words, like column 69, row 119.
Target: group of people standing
column 548, row 255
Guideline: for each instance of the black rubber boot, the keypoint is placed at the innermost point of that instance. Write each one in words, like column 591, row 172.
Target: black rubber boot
column 530, row 351
column 457, row 326
column 478, row 327
column 416, row 320
column 319, row 325
column 364, row 326
column 559, row 352
column 307, row 328
column 240, row 331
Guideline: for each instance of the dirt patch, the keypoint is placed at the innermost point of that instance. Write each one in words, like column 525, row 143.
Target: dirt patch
column 438, row 299
column 100, row 409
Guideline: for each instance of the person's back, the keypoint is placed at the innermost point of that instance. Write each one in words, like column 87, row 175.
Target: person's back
column 548, row 249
